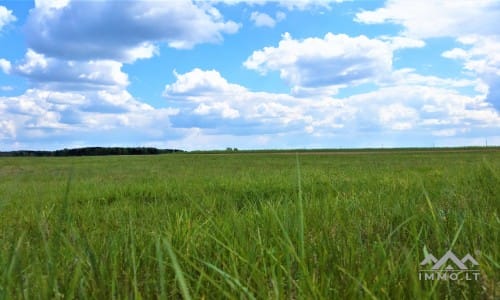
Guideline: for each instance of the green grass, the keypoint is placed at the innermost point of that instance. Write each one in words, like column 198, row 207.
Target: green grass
column 247, row 225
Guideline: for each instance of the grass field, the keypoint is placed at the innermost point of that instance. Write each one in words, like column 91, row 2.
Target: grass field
column 248, row 225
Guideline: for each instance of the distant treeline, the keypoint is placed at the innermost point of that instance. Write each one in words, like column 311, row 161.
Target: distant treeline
column 92, row 151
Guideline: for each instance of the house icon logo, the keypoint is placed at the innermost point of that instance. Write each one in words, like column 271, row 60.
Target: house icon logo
column 449, row 267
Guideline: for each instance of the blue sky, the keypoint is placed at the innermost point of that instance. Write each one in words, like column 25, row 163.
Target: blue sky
column 193, row 74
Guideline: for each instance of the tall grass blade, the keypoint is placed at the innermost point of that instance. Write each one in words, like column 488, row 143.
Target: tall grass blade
column 429, row 203
column 137, row 294
column 161, row 269
column 302, row 252
column 15, row 255
column 362, row 284
column 231, row 280
column 457, row 234
column 179, row 274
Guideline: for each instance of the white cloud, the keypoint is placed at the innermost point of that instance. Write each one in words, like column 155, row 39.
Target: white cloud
column 280, row 16
column 5, row 65
column 6, row 88
column 46, row 116
column 428, row 18
column 80, row 30
column 211, row 109
column 32, row 62
column 223, row 108
column 201, row 83
column 75, row 65
column 262, row 19
column 68, row 75
column 456, row 53
column 433, row 103
column 7, row 129
column 265, row 20
column 307, row 4
column 6, row 17
column 401, row 42
column 444, row 132
column 398, row 116
column 416, row 106
column 79, row 88
column 208, row 94
column 471, row 23
column 289, row 4
column 409, row 76
column 334, row 60
column 480, row 55
column 51, row 4
column 483, row 57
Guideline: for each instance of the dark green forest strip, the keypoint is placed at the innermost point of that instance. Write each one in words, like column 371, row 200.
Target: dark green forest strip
column 92, row 151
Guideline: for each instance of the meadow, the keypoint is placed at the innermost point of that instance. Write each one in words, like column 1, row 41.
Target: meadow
column 311, row 225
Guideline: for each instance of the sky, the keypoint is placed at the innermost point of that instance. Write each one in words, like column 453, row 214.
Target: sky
column 250, row 74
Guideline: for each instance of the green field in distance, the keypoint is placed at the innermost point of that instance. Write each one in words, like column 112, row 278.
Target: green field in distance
column 254, row 225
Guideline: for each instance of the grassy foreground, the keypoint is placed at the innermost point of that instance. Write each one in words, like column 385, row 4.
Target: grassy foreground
column 245, row 226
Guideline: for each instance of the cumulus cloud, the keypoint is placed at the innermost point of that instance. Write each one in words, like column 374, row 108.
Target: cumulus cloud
column 44, row 116
column 5, row 65
column 262, row 19
column 6, row 17
column 415, row 106
column 7, row 129
column 469, row 22
column 67, row 74
column 419, row 110
column 480, row 55
column 289, row 4
column 207, row 94
column 265, row 20
column 83, row 30
column 408, row 76
column 402, row 42
column 78, row 91
column 449, row 18
column 212, row 109
column 398, row 116
column 74, row 64
column 48, row 4
column 225, row 110
column 200, row 82
column 334, row 60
